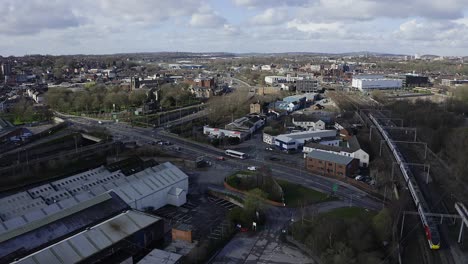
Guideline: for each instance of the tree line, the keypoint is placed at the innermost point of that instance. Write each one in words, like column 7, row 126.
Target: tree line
column 97, row 98
column 337, row 239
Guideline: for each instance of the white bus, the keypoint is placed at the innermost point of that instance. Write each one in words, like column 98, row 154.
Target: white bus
column 235, row 154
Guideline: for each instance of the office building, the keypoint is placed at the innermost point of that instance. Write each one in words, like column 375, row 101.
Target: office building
column 375, row 82
column 331, row 164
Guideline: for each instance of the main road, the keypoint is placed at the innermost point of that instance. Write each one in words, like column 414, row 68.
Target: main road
column 291, row 173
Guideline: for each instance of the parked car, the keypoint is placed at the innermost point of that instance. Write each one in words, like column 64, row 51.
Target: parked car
column 220, row 158
column 252, row 168
column 268, row 148
column 367, row 179
column 359, row 178
column 274, row 159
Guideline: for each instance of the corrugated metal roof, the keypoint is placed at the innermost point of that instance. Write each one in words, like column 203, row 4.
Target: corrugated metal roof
column 43, row 231
column 54, row 217
column 91, row 241
column 327, row 156
column 39, row 202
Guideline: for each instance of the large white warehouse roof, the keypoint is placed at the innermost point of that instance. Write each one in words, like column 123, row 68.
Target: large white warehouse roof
column 39, row 202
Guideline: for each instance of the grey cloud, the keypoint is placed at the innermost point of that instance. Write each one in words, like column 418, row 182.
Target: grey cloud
column 18, row 17
column 207, row 19
column 361, row 10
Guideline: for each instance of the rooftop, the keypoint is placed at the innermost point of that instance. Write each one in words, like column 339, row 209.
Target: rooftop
column 352, row 146
column 308, row 134
column 79, row 247
column 38, row 233
column 36, row 203
column 326, row 156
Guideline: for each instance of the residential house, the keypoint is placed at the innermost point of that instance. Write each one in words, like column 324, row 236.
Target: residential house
column 255, row 108
column 201, row 92
column 308, row 123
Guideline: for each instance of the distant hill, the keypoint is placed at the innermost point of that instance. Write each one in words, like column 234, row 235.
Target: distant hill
column 354, row 54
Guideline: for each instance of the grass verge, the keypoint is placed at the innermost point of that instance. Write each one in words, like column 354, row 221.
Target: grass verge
column 350, row 212
column 296, row 195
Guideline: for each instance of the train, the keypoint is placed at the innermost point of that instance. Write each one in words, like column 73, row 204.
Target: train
column 430, row 227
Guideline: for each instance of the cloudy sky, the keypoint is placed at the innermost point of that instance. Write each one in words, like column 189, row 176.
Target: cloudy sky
column 115, row 26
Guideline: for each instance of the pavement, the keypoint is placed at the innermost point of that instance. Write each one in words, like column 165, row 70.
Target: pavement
column 266, row 246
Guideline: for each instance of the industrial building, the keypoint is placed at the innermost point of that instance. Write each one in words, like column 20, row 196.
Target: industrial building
column 145, row 186
column 411, row 79
column 219, row 133
column 247, row 124
column 39, row 232
column 112, row 241
column 331, row 164
column 295, row 141
column 454, row 82
column 28, row 241
column 375, row 82
column 239, row 128
column 292, row 103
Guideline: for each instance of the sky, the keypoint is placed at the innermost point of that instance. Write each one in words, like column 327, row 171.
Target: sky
column 124, row 26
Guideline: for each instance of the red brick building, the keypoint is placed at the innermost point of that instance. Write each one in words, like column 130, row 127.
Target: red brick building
column 330, row 164
column 202, row 82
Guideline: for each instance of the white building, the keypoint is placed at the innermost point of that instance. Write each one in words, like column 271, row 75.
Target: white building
column 247, row 124
column 269, row 139
column 37, row 96
column 219, row 133
column 272, row 80
column 309, row 124
column 351, row 148
column 266, row 68
column 316, row 68
column 255, row 67
column 375, row 82
column 294, row 141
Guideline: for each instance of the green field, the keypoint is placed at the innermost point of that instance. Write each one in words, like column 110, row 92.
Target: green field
column 296, row 195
